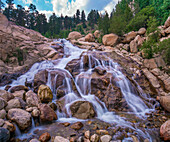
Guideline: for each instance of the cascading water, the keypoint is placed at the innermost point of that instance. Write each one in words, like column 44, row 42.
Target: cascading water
column 82, row 82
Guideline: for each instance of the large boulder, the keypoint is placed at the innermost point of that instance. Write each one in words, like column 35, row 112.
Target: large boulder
column 165, row 102
column 19, row 88
column 47, row 114
column 31, row 99
column 165, row 131
column 21, row 117
column 89, row 38
column 97, row 34
column 82, row 110
column 60, row 139
column 133, row 47
column 74, row 35
column 6, row 95
column 14, row 103
column 142, row 31
column 4, row 134
column 110, row 39
column 129, row 37
column 3, row 103
column 45, row 94
column 167, row 23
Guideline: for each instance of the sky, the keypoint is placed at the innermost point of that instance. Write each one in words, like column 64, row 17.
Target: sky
column 68, row 7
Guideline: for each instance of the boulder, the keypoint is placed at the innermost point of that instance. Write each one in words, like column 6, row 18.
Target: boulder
column 4, row 134
column 74, row 35
column 150, row 63
column 139, row 40
column 9, row 126
column 167, row 31
column 105, row 138
column 60, row 139
column 165, row 102
column 45, row 137
column 35, row 113
column 14, row 103
column 3, row 103
column 97, row 34
column 167, row 83
column 77, row 126
column 89, row 38
column 6, row 95
column 87, row 134
column 45, row 94
column 133, row 46
column 94, row 138
column 141, row 31
column 1, row 122
column 129, row 37
column 21, row 117
column 167, row 23
column 100, row 70
column 47, row 114
column 2, row 113
column 82, row 110
column 20, row 94
column 110, row 39
column 31, row 99
column 165, row 131
column 19, row 88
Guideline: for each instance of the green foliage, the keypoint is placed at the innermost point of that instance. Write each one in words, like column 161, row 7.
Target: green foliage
column 152, row 25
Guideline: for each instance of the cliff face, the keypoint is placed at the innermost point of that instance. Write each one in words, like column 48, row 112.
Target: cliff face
column 20, row 48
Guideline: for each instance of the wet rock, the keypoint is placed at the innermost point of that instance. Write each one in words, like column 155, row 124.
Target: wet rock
column 2, row 113
column 3, row 103
column 47, row 114
column 165, row 102
column 135, row 139
column 74, row 35
column 9, row 126
column 82, row 110
column 18, row 88
column 167, row 23
column 6, row 95
column 133, row 46
column 35, row 113
column 141, row 31
column 97, row 34
column 45, row 94
column 1, row 122
column 100, row 70
column 20, row 94
column 165, row 131
column 89, row 38
column 21, row 117
column 14, row 103
column 77, row 126
column 80, row 139
column 94, row 138
column 105, row 138
column 32, row 99
column 34, row 140
column 53, row 106
column 87, row 134
column 129, row 37
column 4, row 134
column 45, row 137
column 66, row 124
column 110, row 39
column 60, row 139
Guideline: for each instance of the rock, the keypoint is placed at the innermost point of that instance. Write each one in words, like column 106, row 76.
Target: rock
column 35, row 113
column 89, row 38
column 74, row 35
column 9, row 126
column 153, row 80
column 60, row 139
column 77, row 126
column 126, row 47
column 14, row 103
column 1, row 122
column 2, row 114
column 133, row 47
column 21, row 117
column 82, row 110
column 94, row 138
column 150, row 63
column 160, row 62
column 167, row 83
column 110, row 39
column 34, row 140
column 87, row 134
column 97, row 34
column 100, row 70
column 66, row 124
column 3, row 103
column 53, row 106
column 105, row 138
column 6, row 95
column 47, row 114
column 167, row 23
column 139, row 40
column 167, row 31
column 102, row 132
column 4, row 133
column 135, row 139
column 18, row 88
column 45, row 94
column 45, row 137
column 129, row 37
column 20, row 94
column 141, row 31
column 165, row 131
column 165, row 102
column 31, row 99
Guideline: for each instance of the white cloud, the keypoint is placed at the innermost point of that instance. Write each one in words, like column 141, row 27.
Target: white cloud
column 26, row 7
column 47, row 13
column 46, row 1
column 27, row 1
column 109, row 7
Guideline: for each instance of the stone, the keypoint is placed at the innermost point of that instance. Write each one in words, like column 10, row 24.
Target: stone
column 14, row 103
column 34, row 140
column 66, row 124
column 20, row 94
column 141, row 31
column 102, row 132
column 3, row 103
column 60, row 139
column 21, row 117
column 100, row 70
column 35, row 113
column 1, row 122
column 47, row 114
column 133, row 47
column 167, row 23
column 31, row 99
column 160, row 62
column 165, row 131
column 2, row 113
column 53, row 106
column 87, row 134
column 89, row 38
column 94, row 138
column 150, row 63
column 165, row 102
column 6, row 95
column 9, row 126
column 126, row 47
column 97, row 34
column 105, row 138
column 18, row 88
column 4, row 133
column 135, row 139
column 139, row 40
column 82, row 110
column 167, row 83
column 45, row 94
column 129, row 37
column 110, row 39
column 45, row 137
column 77, row 126
column 74, row 35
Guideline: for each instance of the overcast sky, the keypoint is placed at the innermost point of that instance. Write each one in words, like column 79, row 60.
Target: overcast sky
column 68, row 7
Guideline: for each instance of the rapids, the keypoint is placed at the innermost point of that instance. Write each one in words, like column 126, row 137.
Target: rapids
column 138, row 102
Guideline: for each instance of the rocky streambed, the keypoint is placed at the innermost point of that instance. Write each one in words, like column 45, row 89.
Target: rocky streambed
column 82, row 96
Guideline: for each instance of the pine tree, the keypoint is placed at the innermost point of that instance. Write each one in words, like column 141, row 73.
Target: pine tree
column 9, row 10
column 78, row 16
column 83, row 19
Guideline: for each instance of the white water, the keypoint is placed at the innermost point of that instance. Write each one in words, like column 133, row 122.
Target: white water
column 84, row 87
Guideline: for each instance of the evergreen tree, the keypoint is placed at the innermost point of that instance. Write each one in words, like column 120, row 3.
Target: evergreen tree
column 83, row 19
column 78, row 16
column 9, row 10
column 20, row 15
